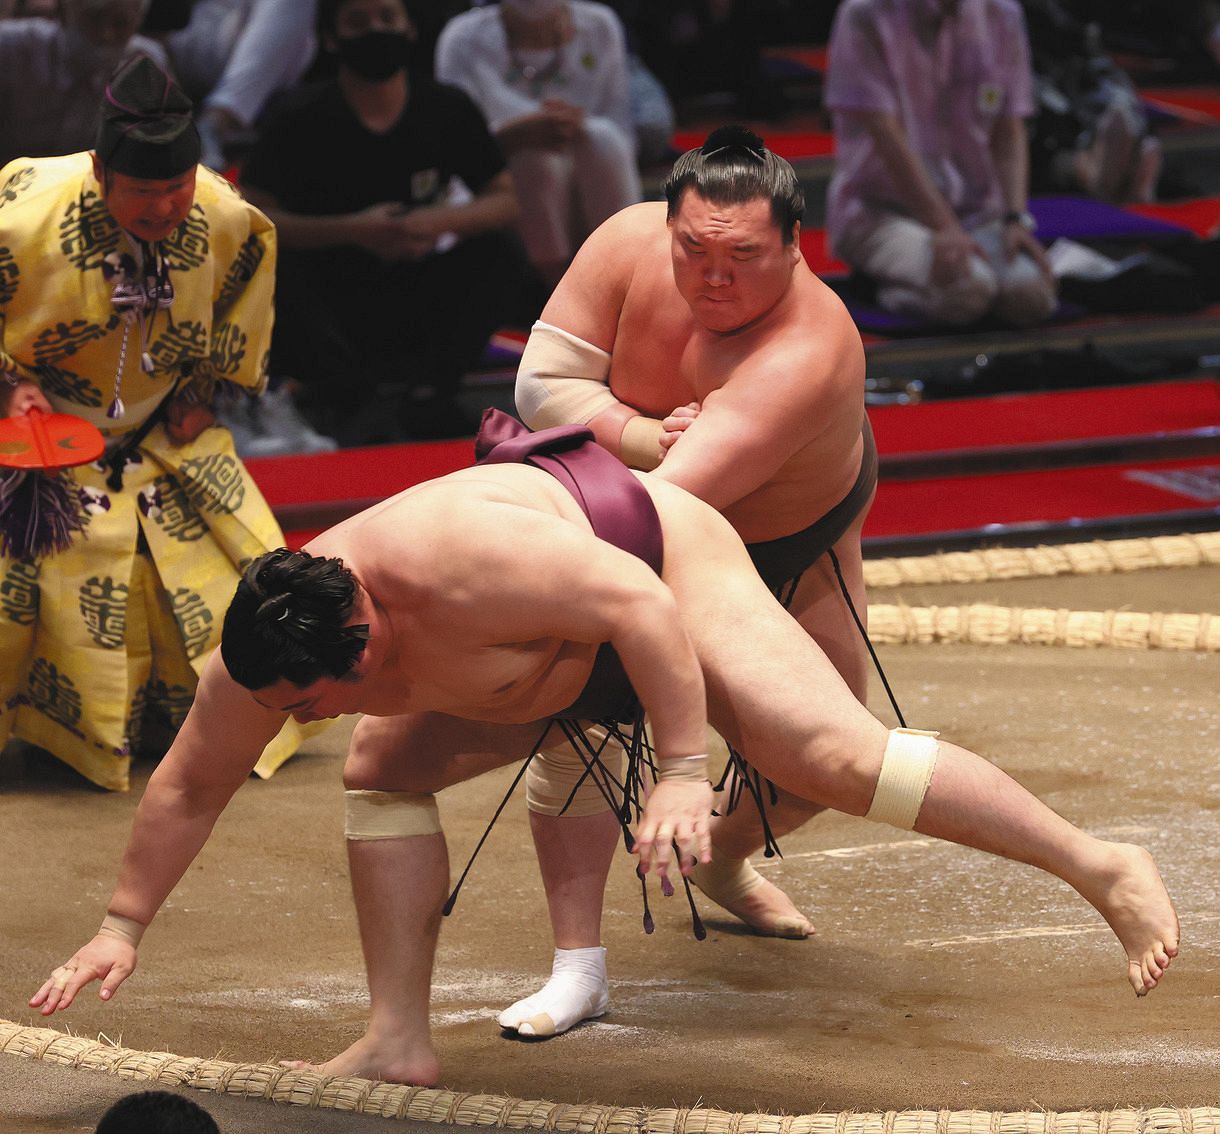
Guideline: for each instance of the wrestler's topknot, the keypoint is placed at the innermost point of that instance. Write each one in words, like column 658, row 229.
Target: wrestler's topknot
column 733, row 137
column 734, row 167
column 288, row 621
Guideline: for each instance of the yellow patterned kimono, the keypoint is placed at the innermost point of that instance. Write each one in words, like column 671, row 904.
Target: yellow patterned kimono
column 99, row 640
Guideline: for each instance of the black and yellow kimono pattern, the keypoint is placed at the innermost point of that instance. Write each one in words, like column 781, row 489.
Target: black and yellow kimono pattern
column 98, row 639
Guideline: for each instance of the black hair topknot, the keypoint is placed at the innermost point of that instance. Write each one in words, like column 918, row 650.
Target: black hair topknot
column 730, row 137
column 733, row 167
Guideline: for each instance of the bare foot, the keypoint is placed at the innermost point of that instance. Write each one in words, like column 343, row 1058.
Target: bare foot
column 736, row 886
column 1127, row 890
column 385, row 1062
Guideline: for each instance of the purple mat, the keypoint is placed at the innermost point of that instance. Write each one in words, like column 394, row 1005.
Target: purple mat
column 877, row 321
column 1082, row 218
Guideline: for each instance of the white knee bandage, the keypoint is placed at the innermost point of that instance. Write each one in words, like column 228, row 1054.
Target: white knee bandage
column 561, row 380
column 555, row 771
column 390, row 815
column 906, row 773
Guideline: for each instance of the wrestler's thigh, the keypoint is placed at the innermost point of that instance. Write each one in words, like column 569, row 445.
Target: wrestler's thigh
column 425, row 752
column 772, row 691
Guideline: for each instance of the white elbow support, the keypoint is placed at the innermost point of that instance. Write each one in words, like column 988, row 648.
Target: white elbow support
column 562, row 380
column 389, row 815
column 906, row 774
column 555, row 771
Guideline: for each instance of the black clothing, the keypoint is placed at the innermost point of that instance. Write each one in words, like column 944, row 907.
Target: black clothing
column 347, row 320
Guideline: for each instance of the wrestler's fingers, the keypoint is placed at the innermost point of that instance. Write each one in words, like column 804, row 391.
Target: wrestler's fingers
column 118, row 973
column 663, row 850
column 694, row 845
column 54, row 993
column 642, row 849
column 37, row 999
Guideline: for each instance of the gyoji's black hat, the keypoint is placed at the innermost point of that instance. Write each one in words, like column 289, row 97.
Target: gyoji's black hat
column 146, row 129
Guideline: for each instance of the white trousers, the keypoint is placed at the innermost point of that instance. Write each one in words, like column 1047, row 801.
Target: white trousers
column 898, row 255
column 566, row 194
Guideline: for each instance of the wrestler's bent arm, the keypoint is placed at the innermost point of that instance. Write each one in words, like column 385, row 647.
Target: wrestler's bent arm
column 215, row 750
column 587, row 304
column 746, row 430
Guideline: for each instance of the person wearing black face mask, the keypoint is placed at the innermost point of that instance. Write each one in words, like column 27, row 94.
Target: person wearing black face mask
column 395, row 209
column 374, row 55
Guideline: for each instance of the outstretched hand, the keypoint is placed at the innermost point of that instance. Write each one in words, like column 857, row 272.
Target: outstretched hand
column 677, row 812
column 105, row 958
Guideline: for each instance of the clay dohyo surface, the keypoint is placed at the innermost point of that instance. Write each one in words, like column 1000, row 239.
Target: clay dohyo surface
column 939, row 978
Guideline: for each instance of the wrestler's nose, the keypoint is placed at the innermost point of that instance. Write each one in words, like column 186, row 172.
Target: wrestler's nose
column 718, row 275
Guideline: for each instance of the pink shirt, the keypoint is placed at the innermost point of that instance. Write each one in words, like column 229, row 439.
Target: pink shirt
column 947, row 80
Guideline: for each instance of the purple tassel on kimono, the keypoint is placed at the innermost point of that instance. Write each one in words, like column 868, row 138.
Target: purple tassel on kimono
column 40, row 513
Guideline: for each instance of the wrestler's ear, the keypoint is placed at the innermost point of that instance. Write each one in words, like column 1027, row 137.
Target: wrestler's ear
column 98, row 171
column 794, row 247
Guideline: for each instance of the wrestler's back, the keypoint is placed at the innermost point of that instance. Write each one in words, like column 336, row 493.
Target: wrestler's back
column 431, row 558
column 661, row 358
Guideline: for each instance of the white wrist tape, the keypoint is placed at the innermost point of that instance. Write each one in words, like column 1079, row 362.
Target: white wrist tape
column 389, row 815
column 684, row 769
column 556, row 770
column 640, row 446
column 124, row 928
column 906, row 774
column 561, row 380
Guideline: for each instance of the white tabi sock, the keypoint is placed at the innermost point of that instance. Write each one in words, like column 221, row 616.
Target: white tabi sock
column 578, row 990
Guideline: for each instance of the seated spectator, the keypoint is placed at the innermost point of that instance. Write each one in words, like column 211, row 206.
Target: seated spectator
column 394, row 209
column 929, row 194
column 1090, row 134
column 156, row 1112
column 231, row 56
column 551, row 77
column 52, row 74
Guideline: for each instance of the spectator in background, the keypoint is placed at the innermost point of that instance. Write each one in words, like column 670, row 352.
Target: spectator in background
column 929, row 195
column 1090, row 133
column 551, row 77
column 232, row 56
column 156, row 1112
column 52, row 74
column 394, row 209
